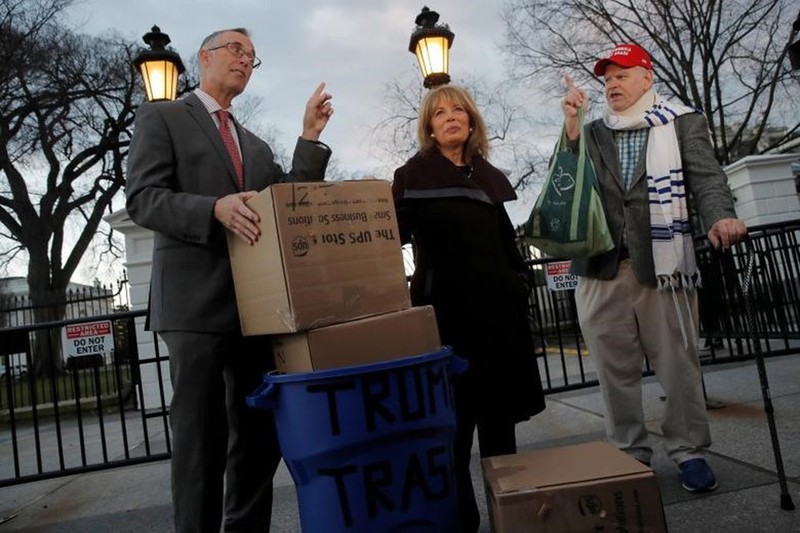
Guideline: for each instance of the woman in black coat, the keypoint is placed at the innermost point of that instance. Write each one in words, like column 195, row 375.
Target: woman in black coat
column 449, row 202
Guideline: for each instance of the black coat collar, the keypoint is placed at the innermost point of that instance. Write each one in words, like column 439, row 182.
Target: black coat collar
column 431, row 170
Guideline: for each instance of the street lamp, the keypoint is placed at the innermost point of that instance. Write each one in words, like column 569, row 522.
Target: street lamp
column 159, row 67
column 431, row 44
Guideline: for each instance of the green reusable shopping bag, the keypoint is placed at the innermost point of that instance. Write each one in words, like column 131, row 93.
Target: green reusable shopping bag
column 568, row 220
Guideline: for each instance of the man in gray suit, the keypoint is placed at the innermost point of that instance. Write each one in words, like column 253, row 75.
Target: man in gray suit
column 191, row 168
column 640, row 298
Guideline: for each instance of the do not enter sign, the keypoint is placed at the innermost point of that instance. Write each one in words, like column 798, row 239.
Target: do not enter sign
column 87, row 338
column 559, row 278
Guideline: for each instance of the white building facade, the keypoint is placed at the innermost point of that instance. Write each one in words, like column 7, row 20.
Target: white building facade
column 764, row 188
column 138, row 263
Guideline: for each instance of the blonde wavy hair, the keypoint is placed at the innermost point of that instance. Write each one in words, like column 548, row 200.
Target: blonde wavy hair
column 477, row 143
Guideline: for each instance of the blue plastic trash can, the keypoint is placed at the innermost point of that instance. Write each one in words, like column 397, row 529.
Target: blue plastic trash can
column 370, row 447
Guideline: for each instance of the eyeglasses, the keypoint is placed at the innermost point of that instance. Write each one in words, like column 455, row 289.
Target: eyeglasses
column 238, row 50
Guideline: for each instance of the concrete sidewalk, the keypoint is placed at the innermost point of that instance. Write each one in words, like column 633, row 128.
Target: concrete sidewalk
column 747, row 501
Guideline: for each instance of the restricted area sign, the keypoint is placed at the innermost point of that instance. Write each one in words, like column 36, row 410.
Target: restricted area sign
column 87, row 338
column 558, row 276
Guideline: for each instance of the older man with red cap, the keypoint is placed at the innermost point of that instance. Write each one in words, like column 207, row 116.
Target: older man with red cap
column 640, row 298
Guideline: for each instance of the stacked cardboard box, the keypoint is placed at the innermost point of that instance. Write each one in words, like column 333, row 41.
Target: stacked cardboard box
column 329, row 257
column 586, row 487
column 357, row 342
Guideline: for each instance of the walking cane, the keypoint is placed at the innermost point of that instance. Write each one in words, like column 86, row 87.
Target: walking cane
column 749, row 298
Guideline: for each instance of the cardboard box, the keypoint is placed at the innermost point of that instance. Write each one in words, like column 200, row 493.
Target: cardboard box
column 586, row 487
column 368, row 340
column 328, row 253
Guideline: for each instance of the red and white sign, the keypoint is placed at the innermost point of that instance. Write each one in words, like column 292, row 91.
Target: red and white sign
column 558, row 276
column 87, row 338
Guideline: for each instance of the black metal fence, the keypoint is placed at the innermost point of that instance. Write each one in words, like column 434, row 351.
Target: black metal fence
column 90, row 413
column 88, row 301
column 82, row 410
column 84, row 415
column 775, row 300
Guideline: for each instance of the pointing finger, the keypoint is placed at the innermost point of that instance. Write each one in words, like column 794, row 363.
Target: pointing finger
column 320, row 96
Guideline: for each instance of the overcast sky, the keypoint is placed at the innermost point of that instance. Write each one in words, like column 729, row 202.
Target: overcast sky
column 355, row 46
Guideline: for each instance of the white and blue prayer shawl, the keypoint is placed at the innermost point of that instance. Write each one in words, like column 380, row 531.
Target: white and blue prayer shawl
column 673, row 248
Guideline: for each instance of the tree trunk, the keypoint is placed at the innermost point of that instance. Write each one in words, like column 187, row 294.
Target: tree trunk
column 47, row 358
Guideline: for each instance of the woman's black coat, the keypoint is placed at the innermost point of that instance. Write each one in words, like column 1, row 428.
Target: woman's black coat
column 469, row 268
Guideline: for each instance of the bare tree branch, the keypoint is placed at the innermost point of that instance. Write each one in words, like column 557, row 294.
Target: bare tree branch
column 725, row 57
column 509, row 129
column 67, row 104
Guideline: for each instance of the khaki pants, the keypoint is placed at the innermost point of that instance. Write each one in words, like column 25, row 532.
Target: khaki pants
column 622, row 321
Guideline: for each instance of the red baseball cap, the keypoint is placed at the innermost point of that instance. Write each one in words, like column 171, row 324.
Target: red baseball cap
column 626, row 56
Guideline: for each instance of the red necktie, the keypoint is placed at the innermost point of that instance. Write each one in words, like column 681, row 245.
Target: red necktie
column 230, row 145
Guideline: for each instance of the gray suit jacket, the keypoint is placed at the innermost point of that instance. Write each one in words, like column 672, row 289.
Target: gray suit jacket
column 629, row 210
column 177, row 168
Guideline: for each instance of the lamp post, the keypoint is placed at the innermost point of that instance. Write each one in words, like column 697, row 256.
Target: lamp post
column 159, row 67
column 431, row 44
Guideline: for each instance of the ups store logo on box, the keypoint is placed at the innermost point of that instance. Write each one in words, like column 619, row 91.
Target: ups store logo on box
column 591, row 505
column 618, row 517
column 341, row 230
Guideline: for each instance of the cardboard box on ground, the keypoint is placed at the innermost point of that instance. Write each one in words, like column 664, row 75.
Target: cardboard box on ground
column 586, row 487
column 329, row 252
